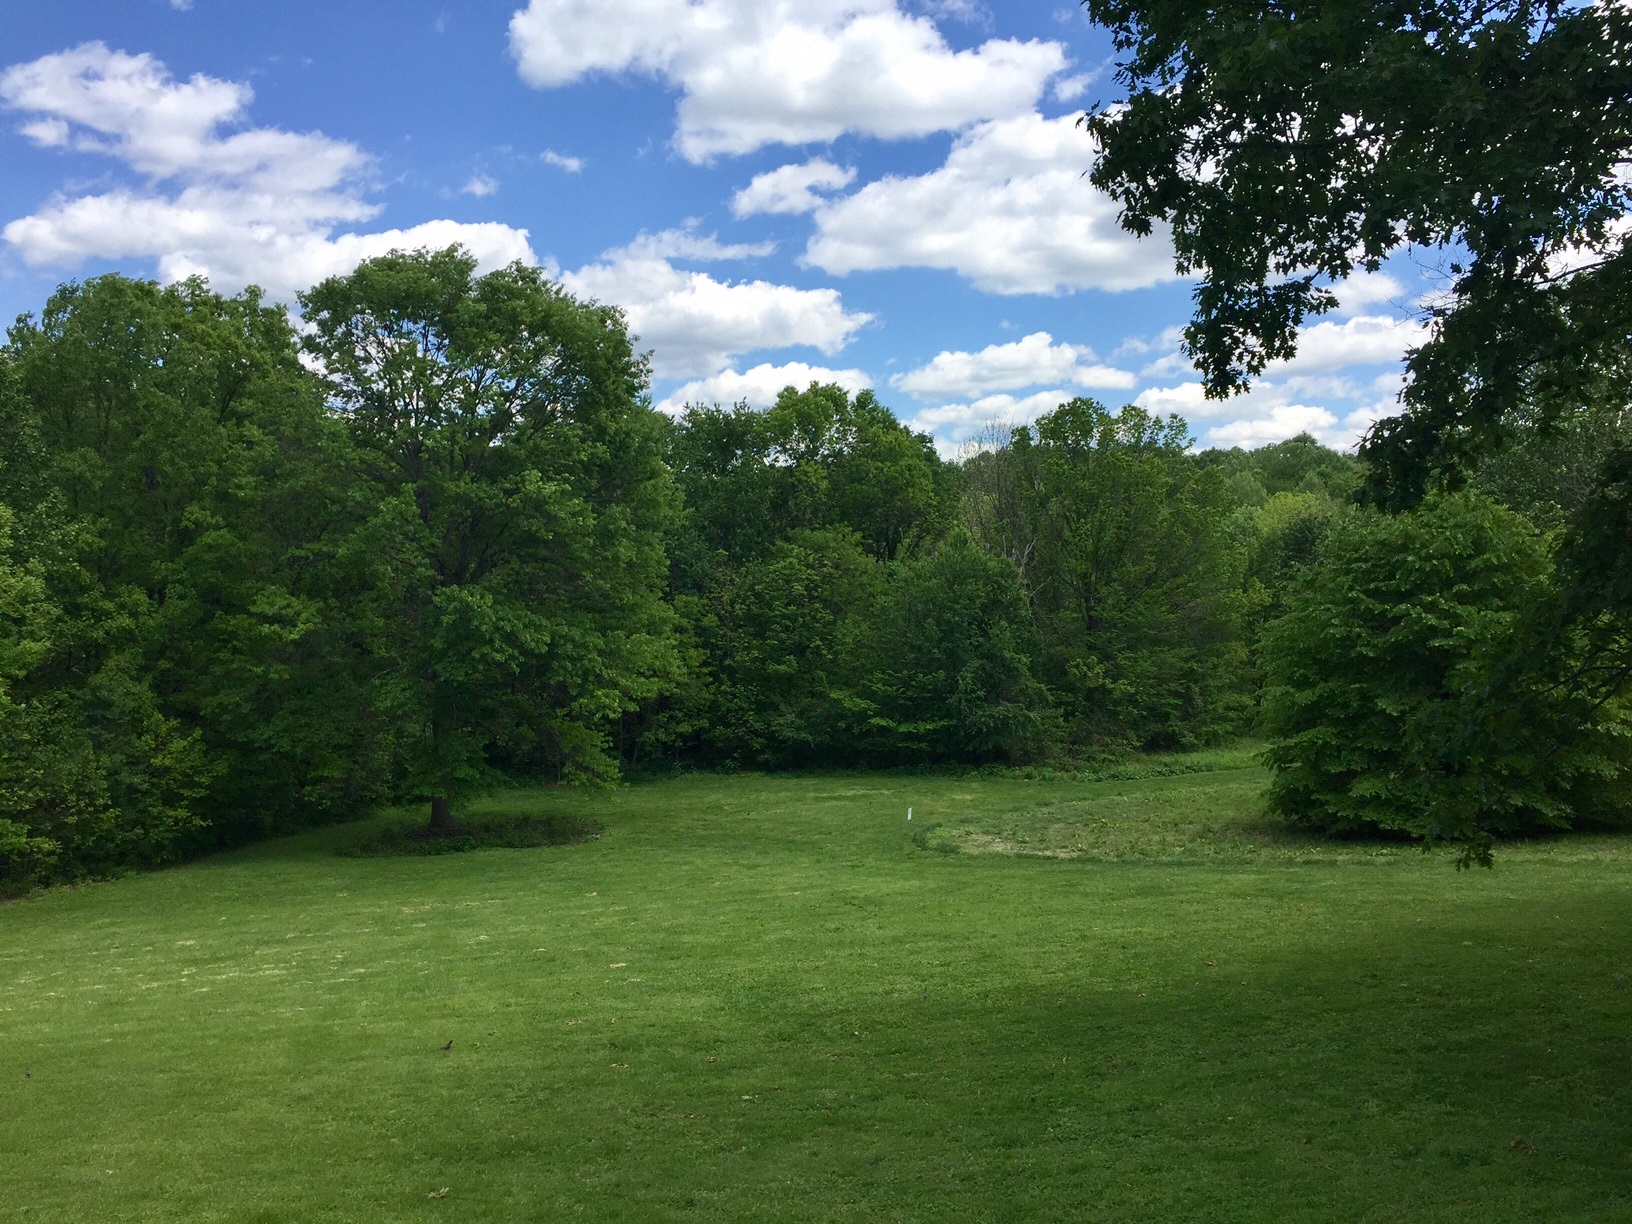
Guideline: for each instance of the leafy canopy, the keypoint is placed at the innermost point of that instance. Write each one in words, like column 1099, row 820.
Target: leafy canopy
column 1395, row 698
column 1288, row 143
column 512, row 498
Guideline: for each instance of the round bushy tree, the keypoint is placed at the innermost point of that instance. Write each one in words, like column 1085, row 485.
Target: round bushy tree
column 1401, row 695
column 509, row 558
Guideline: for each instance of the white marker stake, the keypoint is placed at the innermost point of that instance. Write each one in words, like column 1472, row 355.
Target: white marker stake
column 909, row 813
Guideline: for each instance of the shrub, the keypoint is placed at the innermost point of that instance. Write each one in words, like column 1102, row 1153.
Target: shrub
column 1401, row 694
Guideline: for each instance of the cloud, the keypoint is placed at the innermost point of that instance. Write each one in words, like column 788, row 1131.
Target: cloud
column 752, row 73
column 687, row 243
column 1283, row 421
column 1270, row 412
column 1367, row 289
column 954, row 424
column 259, row 206
column 1140, row 346
column 791, row 189
column 1335, row 367
column 480, row 185
column 1322, row 347
column 1069, row 89
column 696, row 325
column 759, row 386
column 1010, row 210
column 1188, row 399
column 1031, row 362
column 958, row 10
column 562, row 161
column 1362, row 340
column 1172, row 364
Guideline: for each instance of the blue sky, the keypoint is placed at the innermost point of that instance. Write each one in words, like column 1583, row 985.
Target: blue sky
column 879, row 192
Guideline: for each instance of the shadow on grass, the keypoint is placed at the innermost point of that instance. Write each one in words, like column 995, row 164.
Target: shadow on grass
column 513, row 832
column 1385, row 1074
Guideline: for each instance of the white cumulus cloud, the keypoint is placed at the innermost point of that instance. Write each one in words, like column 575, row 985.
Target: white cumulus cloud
column 1281, row 422
column 752, row 73
column 1331, row 388
column 1269, row 412
column 955, row 424
column 686, row 243
column 1361, row 340
column 791, row 189
column 1030, row 362
column 1365, row 289
column 758, row 387
column 697, row 325
column 1010, row 210
column 259, row 205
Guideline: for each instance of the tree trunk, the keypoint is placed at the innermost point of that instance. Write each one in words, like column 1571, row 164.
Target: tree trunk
column 441, row 817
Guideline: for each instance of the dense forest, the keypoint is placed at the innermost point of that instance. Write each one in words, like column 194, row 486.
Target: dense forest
column 259, row 572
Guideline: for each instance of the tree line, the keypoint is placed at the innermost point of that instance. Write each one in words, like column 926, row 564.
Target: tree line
column 255, row 576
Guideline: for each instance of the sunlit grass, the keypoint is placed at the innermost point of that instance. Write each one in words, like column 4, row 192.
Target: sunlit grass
column 773, row 998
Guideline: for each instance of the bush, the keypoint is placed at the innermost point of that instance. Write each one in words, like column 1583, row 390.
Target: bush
column 1401, row 695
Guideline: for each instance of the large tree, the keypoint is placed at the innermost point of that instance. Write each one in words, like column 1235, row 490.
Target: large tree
column 815, row 459
column 1132, row 568
column 174, row 484
column 1288, row 143
column 513, row 498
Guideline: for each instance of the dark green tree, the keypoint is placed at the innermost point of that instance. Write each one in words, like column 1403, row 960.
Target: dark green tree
column 1135, row 575
column 778, row 635
column 1288, row 144
column 1549, row 472
column 171, row 474
column 1300, row 464
column 944, row 668
column 818, row 458
column 790, row 516
column 512, row 501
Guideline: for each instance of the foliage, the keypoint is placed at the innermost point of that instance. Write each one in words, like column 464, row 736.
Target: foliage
column 1396, row 699
column 1289, row 144
column 171, row 476
column 508, row 558
column 1300, row 464
column 245, row 588
column 1134, row 573
column 796, row 519
column 1548, row 472
column 944, row 668
column 777, row 635
column 816, row 459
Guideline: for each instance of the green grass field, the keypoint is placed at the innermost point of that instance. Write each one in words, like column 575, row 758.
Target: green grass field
column 773, row 998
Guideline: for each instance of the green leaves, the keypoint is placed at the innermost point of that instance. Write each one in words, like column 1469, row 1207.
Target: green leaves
column 1407, row 691
column 508, row 561
column 1134, row 574
column 1289, row 144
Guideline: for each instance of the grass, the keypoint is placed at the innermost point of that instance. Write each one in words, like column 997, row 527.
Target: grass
column 407, row 834
column 763, row 998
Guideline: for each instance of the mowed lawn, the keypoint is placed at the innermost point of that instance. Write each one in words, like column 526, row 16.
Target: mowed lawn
column 773, row 998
